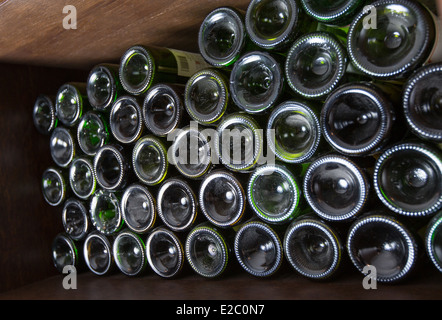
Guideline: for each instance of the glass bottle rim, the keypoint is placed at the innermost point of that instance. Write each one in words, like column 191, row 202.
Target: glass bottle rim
column 233, row 56
column 62, row 181
column 274, row 66
column 329, row 17
column 201, row 136
column 217, row 237
column 381, row 218
column 434, row 224
column 97, row 118
column 239, row 190
column 312, row 39
column 354, row 170
column 249, row 122
column 276, row 240
column 170, row 235
column 133, row 103
column 420, row 148
column 215, row 75
column 189, row 192
column 290, row 178
column 122, row 168
column 96, row 235
column 142, row 250
column 328, row 232
column 280, row 40
column 389, row 72
column 94, row 181
column 115, row 202
column 62, row 236
column 78, row 112
column 413, row 80
column 72, row 149
column 113, row 87
column 152, row 93
column 54, row 119
column 145, row 84
column 302, row 109
column 123, row 203
column 382, row 105
column 79, row 205
column 151, row 140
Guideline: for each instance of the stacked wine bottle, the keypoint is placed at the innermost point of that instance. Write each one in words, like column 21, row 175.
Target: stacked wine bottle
column 300, row 134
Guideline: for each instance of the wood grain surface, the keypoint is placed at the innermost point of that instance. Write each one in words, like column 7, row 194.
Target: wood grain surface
column 33, row 32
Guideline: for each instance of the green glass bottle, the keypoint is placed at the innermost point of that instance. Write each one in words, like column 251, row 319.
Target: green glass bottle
column 380, row 240
column 222, row 199
column 314, row 248
column 112, row 167
column 274, row 24
column 222, row 36
column 62, row 146
column 408, row 179
column 92, row 132
column 433, row 240
column 207, row 96
column 359, row 119
column 43, row 114
column 422, row 102
column 390, row 38
column 54, row 186
column 163, row 109
column 75, row 219
column 294, row 132
column 150, row 160
column 71, row 102
column 126, row 119
column 97, row 250
column 66, row 253
column 336, row 188
column 239, row 142
column 315, row 65
column 274, row 194
column 129, row 252
column 138, row 208
column 103, row 86
column 191, row 152
column 141, row 66
column 165, row 253
column 177, row 204
column 258, row 249
column 336, row 13
column 256, row 81
column 82, row 178
column 105, row 212
column 208, row 251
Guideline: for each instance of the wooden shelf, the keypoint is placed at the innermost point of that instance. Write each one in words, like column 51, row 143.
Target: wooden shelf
column 37, row 56
column 239, row 286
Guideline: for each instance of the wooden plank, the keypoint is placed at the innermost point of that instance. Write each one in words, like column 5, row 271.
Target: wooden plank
column 33, row 32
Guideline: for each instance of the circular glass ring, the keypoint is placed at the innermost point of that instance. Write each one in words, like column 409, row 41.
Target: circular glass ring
column 258, row 249
column 138, row 208
column 43, row 115
column 137, row 70
column 165, row 253
column 97, row 251
column 221, row 37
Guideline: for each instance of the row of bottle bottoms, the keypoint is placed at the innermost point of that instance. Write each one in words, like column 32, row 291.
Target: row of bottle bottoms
column 255, row 84
column 246, row 94
column 309, row 246
column 335, row 188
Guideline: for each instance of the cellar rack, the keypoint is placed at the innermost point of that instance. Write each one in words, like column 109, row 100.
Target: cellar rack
column 37, row 55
